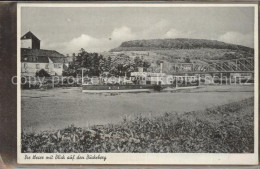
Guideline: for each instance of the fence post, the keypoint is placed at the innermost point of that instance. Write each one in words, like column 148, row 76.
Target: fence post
column 52, row 82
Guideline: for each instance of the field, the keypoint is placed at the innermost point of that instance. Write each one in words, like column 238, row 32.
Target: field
column 61, row 107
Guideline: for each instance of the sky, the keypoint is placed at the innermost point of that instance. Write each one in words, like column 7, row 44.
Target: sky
column 67, row 30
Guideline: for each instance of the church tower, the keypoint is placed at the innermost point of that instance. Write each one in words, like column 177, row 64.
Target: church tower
column 30, row 41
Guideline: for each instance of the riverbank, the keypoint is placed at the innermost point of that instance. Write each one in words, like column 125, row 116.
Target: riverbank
column 221, row 129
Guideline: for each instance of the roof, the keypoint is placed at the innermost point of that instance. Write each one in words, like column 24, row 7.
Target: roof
column 29, row 35
column 35, row 59
column 148, row 74
column 40, row 52
column 42, row 56
column 58, row 60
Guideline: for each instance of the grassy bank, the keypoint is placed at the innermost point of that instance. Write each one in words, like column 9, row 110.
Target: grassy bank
column 223, row 129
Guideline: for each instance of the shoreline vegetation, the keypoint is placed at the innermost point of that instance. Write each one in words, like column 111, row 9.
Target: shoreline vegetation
column 227, row 128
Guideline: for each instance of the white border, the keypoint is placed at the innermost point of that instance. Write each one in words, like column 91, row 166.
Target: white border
column 144, row 158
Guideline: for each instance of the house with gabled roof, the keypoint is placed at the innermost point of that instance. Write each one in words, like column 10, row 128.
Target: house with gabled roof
column 34, row 59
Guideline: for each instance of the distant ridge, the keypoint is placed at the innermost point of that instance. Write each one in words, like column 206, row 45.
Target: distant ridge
column 179, row 43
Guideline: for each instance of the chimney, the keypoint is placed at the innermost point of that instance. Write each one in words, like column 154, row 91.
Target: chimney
column 161, row 65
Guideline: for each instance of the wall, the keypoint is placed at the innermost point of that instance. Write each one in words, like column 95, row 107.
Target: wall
column 36, row 43
column 163, row 79
column 58, row 68
column 26, row 43
column 30, row 69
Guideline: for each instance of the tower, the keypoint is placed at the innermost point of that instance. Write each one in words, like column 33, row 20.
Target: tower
column 30, row 41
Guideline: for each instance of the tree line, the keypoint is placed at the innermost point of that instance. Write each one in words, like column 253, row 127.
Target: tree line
column 96, row 64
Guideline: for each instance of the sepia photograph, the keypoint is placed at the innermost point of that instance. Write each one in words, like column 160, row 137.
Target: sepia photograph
column 102, row 83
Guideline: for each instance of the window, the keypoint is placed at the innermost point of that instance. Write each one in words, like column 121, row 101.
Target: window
column 47, row 66
column 57, row 65
column 31, row 59
column 24, row 68
column 37, row 66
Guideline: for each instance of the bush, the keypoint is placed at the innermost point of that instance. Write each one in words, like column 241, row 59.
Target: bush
column 69, row 72
column 42, row 73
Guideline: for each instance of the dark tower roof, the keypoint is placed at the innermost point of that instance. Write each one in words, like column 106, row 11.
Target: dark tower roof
column 29, row 35
column 35, row 44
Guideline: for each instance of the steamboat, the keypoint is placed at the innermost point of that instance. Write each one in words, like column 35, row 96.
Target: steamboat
column 138, row 82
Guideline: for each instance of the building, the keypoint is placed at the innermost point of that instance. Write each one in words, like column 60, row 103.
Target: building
column 33, row 59
column 30, row 41
column 143, row 78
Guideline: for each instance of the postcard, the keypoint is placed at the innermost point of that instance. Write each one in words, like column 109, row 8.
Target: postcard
column 137, row 83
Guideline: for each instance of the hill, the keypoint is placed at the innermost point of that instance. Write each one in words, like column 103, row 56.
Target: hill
column 178, row 50
column 181, row 43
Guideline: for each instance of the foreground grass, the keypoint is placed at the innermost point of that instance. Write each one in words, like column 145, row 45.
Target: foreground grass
column 222, row 129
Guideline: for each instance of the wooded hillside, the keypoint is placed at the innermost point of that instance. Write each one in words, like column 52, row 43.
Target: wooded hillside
column 181, row 43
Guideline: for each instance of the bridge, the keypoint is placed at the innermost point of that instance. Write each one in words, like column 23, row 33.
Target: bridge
column 241, row 65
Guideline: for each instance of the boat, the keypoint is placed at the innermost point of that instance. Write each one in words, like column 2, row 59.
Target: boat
column 134, row 88
column 138, row 82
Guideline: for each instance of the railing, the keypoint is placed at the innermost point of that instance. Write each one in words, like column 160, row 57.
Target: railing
column 233, row 65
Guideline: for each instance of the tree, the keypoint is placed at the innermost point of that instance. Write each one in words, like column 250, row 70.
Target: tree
column 138, row 62
column 96, row 64
column 105, row 64
column 158, row 62
column 69, row 72
column 73, row 57
column 141, row 62
column 121, row 65
column 109, row 61
column 187, row 60
column 146, row 65
column 102, row 66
